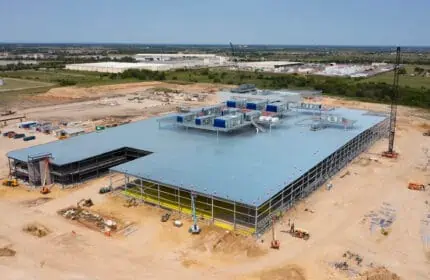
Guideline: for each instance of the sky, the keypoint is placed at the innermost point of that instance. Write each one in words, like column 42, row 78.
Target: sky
column 285, row 22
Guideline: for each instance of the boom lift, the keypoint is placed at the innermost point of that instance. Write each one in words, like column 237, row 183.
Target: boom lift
column 275, row 244
column 194, row 229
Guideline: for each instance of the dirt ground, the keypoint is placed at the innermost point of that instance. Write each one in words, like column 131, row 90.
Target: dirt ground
column 369, row 191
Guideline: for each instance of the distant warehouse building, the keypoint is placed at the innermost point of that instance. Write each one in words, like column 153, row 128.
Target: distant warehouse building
column 115, row 67
column 152, row 63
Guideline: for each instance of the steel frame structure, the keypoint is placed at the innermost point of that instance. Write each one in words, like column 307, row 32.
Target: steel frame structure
column 242, row 217
column 76, row 172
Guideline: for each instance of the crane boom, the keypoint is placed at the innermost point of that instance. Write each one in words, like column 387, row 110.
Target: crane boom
column 232, row 49
column 394, row 100
column 393, row 110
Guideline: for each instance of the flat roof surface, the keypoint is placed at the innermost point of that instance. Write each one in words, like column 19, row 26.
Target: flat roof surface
column 246, row 167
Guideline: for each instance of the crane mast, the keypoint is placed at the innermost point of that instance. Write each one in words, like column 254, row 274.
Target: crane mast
column 393, row 110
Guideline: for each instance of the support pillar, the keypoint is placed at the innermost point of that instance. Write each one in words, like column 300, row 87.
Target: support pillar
column 141, row 191
column 234, row 215
column 158, row 188
column 213, row 217
column 10, row 169
column 179, row 200
column 282, row 197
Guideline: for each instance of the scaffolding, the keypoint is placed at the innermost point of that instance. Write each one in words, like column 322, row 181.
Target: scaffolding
column 242, row 217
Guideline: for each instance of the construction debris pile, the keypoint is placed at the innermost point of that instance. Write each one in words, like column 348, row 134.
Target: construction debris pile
column 36, row 229
column 89, row 219
column 350, row 263
column 7, row 252
column 36, row 202
column 166, row 96
column 378, row 273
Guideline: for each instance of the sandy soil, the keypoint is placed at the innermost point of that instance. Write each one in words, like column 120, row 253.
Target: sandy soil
column 341, row 219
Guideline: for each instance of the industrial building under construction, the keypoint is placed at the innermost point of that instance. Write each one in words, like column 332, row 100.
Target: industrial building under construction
column 243, row 160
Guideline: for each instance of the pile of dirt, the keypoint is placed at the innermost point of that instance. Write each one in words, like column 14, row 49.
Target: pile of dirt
column 36, row 202
column 7, row 252
column 289, row 272
column 379, row 273
column 217, row 240
column 36, row 229
column 232, row 243
column 187, row 263
column 363, row 161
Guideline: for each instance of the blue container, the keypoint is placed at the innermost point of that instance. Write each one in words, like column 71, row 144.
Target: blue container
column 179, row 118
column 231, row 104
column 271, row 108
column 219, row 123
column 251, row 106
column 198, row 121
column 28, row 138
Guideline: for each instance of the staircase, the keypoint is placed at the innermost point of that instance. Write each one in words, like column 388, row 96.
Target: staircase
column 259, row 127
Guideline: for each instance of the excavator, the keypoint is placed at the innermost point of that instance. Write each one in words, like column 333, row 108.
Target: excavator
column 10, row 182
column 85, row 203
column 299, row 233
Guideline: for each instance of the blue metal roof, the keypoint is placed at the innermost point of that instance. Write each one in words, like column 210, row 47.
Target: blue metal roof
column 245, row 167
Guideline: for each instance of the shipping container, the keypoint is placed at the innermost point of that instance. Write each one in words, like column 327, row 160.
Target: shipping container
column 19, row 135
column 28, row 124
column 28, row 138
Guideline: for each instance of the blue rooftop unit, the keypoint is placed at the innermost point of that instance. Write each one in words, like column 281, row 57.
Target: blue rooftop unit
column 276, row 107
column 256, row 105
column 219, row 122
column 231, row 103
column 205, row 120
column 272, row 108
